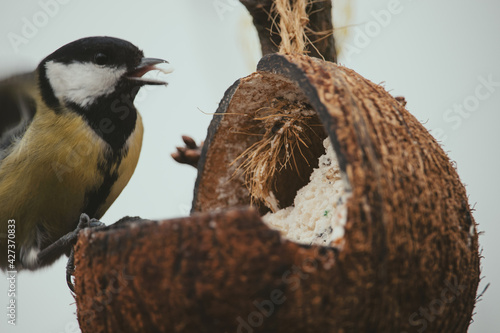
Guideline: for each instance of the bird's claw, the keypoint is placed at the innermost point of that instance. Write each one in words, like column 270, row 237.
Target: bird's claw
column 84, row 222
column 70, row 270
column 190, row 154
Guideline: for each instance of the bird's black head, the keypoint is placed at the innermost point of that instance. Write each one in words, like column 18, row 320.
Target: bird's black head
column 89, row 69
column 101, row 51
column 98, row 78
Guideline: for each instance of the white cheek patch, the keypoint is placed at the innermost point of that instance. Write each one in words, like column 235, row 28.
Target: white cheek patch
column 82, row 83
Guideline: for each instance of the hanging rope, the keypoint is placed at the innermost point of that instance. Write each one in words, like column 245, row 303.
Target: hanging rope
column 293, row 21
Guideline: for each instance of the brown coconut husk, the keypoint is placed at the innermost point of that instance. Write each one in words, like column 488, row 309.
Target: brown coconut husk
column 284, row 129
column 410, row 256
column 410, row 232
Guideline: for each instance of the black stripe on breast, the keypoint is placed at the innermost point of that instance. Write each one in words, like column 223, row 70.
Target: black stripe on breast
column 96, row 198
column 113, row 117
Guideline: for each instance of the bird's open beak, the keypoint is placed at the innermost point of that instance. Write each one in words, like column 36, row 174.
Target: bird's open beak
column 146, row 65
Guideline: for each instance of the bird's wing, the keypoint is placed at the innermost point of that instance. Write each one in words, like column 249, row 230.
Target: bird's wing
column 17, row 108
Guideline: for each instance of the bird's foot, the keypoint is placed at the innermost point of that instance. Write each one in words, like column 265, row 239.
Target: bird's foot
column 190, row 154
column 85, row 222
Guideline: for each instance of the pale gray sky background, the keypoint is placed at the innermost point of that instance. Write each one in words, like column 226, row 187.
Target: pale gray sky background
column 435, row 53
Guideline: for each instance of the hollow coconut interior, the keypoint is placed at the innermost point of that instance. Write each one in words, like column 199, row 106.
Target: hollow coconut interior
column 271, row 151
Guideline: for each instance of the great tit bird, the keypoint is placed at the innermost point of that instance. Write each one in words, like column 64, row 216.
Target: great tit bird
column 70, row 139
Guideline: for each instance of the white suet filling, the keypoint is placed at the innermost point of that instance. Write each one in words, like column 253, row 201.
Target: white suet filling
column 319, row 212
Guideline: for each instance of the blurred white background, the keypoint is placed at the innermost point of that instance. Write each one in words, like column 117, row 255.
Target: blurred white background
column 435, row 53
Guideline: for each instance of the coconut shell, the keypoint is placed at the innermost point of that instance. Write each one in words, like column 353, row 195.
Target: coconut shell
column 410, row 233
column 410, row 258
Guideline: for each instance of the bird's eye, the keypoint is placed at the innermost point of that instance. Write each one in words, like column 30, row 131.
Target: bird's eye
column 101, row 59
